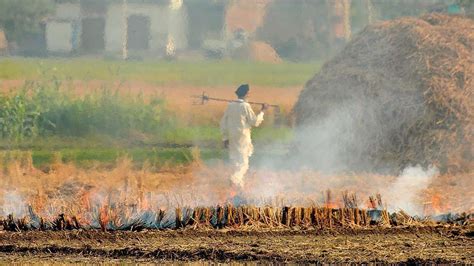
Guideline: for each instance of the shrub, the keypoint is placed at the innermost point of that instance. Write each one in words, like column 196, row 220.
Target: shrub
column 44, row 109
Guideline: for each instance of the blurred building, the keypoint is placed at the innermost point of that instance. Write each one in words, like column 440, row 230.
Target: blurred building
column 153, row 28
column 121, row 28
column 3, row 42
column 241, row 29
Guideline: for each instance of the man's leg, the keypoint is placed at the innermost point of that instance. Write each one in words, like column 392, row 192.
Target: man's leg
column 238, row 180
column 240, row 165
column 238, row 177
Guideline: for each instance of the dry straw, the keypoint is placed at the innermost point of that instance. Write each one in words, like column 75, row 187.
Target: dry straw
column 409, row 85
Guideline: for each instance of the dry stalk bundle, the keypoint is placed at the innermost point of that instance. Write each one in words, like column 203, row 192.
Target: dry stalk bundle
column 240, row 218
column 350, row 200
column 308, row 217
column 364, row 218
column 254, row 216
column 385, row 221
column 329, row 217
column 66, row 223
column 402, row 218
column 230, row 214
column 179, row 218
column 297, row 216
column 208, row 216
column 196, row 217
column 160, row 215
column 16, row 225
column 200, row 217
column 220, row 217
column 275, row 216
column 266, row 213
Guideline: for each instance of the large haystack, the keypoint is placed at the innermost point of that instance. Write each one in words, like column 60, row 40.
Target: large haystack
column 407, row 87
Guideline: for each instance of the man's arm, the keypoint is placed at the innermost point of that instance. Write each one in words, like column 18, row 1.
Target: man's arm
column 252, row 119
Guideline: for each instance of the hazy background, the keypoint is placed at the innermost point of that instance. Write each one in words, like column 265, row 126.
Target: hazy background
column 91, row 82
column 260, row 30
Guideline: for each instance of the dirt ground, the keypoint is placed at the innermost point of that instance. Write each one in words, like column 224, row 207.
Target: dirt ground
column 390, row 245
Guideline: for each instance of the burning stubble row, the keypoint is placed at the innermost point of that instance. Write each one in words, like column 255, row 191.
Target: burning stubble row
column 303, row 217
column 229, row 216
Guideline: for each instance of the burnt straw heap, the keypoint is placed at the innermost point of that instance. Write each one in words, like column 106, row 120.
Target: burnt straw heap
column 399, row 94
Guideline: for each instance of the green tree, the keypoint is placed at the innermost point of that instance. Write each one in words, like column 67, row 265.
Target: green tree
column 21, row 17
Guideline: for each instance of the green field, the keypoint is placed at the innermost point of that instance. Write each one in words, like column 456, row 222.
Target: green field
column 202, row 73
column 175, row 150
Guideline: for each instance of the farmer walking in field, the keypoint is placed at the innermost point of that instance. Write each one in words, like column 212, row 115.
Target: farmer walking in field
column 236, row 126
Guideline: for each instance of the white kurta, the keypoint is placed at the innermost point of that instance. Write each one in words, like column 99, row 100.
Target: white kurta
column 236, row 125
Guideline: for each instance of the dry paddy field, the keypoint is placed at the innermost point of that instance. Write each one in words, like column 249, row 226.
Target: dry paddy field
column 415, row 242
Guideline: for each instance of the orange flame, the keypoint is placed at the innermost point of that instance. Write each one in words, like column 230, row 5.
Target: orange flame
column 104, row 217
column 435, row 205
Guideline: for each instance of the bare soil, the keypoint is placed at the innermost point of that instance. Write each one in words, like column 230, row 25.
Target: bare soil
column 385, row 245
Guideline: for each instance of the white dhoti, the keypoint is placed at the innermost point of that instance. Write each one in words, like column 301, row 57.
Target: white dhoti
column 240, row 150
column 236, row 126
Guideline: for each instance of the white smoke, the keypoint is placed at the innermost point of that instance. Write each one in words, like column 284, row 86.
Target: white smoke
column 328, row 147
column 13, row 203
column 403, row 193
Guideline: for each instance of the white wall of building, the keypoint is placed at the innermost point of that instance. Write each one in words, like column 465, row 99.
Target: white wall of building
column 67, row 11
column 178, row 27
column 164, row 23
column 115, row 27
column 59, row 30
column 58, row 36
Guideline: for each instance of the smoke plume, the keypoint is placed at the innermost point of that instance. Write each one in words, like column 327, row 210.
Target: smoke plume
column 404, row 192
